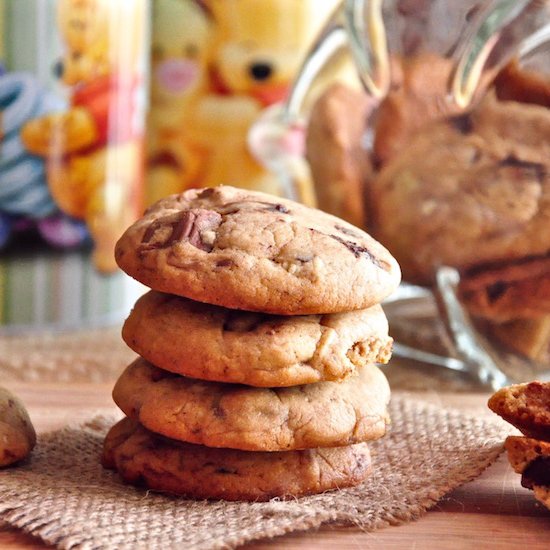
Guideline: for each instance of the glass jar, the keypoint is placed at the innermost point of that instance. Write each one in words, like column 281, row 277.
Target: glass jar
column 443, row 156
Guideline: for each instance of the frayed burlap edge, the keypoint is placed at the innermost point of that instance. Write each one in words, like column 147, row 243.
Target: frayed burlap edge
column 63, row 496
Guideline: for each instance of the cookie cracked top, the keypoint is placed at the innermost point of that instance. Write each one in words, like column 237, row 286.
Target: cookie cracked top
column 214, row 343
column 248, row 250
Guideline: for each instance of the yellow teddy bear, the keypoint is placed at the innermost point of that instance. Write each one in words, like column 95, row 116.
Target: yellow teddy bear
column 181, row 38
column 94, row 150
column 256, row 51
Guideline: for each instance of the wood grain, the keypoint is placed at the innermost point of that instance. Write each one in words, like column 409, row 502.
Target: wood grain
column 493, row 511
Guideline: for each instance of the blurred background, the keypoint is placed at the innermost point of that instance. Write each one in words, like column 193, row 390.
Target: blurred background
column 424, row 122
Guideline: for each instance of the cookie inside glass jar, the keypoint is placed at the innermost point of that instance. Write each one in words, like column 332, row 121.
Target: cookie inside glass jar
column 447, row 184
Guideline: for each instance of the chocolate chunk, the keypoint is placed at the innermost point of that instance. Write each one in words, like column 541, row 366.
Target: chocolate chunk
column 496, row 290
column 188, row 226
column 358, row 251
column 537, row 473
column 226, row 471
column 536, row 167
column 281, row 208
column 225, row 262
column 462, row 123
column 208, row 192
column 234, row 207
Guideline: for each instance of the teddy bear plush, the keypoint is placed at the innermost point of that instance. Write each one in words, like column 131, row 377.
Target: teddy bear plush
column 93, row 150
column 181, row 36
column 256, row 52
column 251, row 53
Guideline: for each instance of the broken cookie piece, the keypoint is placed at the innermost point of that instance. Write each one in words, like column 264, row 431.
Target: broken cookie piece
column 525, row 406
column 531, row 458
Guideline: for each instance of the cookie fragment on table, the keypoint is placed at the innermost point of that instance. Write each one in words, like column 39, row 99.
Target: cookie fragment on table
column 17, row 435
column 531, row 458
column 525, row 406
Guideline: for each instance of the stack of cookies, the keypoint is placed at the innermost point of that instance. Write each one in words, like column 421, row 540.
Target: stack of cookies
column 258, row 343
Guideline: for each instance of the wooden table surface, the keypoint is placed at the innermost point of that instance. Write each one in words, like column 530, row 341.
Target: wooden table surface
column 493, row 511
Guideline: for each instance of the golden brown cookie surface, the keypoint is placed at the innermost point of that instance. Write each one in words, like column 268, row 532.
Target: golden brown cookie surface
column 162, row 464
column 525, row 406
column 248, row 250
column 214, row 343
column 325, row 414
column 17, row 435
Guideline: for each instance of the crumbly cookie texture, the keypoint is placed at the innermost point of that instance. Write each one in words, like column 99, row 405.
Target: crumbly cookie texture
column 525, row 406
column 482, row 196
column 531, row 458
column 214, row 343
column 145, row 458
column 17, row 435
column 326, row 414
column 247, row 250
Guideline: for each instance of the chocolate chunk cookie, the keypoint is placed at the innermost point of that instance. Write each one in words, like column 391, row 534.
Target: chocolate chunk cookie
column 248, row 250
column 162, row 464
column 480, row 195
column 326, row 414
column 214, row 343
column 531, row 458
column 17, row 435
column 525, row 406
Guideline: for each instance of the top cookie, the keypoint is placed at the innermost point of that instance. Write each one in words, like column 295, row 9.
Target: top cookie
column 248, row 250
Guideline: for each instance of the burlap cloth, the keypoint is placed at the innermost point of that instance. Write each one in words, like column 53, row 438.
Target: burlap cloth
column 80, row 356
column 65, row 497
